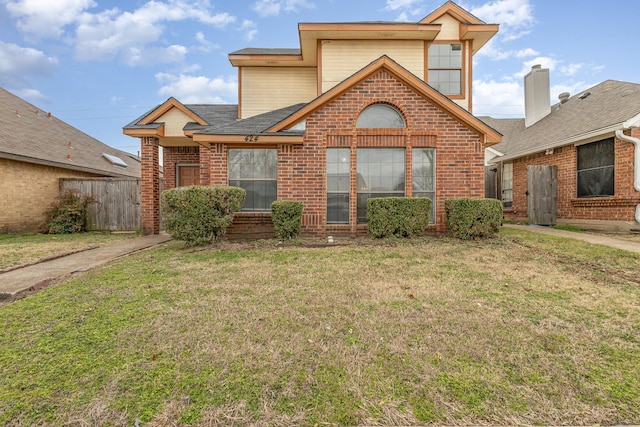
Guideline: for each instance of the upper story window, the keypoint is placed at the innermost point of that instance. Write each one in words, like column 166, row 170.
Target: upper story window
column 380, row 116
column 596, row 169
column 445, row 68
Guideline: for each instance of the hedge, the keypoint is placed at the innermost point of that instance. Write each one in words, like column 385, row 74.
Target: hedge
column 287, row 218
column 473, row 218
column 199, row 215
column 397, row 216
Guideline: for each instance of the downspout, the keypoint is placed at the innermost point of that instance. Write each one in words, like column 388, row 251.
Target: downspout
column 636, row 164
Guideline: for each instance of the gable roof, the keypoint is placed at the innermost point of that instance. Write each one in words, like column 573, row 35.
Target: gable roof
column 592, row 114
column 490, row 135
column 29, row 134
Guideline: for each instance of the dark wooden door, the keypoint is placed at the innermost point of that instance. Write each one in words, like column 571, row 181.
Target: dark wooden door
column 542, row 194
column 188, row 175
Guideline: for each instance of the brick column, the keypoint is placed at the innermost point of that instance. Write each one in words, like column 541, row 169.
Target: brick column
column 150, row 185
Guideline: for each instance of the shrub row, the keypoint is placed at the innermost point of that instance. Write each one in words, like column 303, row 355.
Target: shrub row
column 473, row 218
column 200, row 215
column 397, row 216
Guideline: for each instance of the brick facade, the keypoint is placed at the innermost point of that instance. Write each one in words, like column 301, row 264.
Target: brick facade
column 150, row 185
column 620, row 207
column 302, row 168
column 174, row 156
column 27, row 191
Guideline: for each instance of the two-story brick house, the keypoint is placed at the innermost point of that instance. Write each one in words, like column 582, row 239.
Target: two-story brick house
column 360, row 110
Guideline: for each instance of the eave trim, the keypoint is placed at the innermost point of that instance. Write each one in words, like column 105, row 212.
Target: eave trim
column 165, row 107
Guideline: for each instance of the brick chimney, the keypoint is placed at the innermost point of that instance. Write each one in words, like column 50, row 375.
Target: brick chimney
column 536, row 95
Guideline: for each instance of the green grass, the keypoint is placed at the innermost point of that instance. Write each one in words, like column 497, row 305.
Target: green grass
column 520, row 329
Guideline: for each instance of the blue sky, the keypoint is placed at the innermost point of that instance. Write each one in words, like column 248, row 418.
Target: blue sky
column 98, row 65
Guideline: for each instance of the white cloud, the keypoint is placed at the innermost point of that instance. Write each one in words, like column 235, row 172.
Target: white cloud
column 401, row 4
column 544, row 61
column 198, row 89
column 18, row 63
column 526, row 52
column 407, row 9
column 274, row 7
column 571, row 69
column 250, row 29
column 267, row 7
column 498, row 99
column 139, row 57
column 510, row 13
column 112, row 33
column 515, row 18
column 47, row 18
column 32, row 95
column 205, row 45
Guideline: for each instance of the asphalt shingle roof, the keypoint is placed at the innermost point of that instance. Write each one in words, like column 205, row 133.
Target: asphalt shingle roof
column 253, row 125
column 32, row 135
column 602, row 106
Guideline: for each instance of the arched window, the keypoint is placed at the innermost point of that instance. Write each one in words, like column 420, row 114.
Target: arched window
column 380, row 116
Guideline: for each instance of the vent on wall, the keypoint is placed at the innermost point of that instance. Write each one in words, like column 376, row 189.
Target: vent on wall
column 116, row 161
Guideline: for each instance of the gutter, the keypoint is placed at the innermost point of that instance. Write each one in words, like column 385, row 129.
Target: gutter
column 636, row 164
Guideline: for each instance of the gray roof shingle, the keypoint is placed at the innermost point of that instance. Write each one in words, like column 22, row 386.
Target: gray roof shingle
column 607, row 104
column 32, row 135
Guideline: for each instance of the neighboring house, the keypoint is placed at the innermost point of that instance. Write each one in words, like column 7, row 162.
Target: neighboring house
column 36, row 151
column 576, row 162
column 346, row 117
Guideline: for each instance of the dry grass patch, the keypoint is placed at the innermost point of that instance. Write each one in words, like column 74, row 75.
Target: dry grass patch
column 505, row 331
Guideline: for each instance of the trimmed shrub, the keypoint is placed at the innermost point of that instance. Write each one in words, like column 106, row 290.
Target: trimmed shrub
column 69, row 213
column 473, row 218
column 287, row 218
column 397, row 216
column 199, row 215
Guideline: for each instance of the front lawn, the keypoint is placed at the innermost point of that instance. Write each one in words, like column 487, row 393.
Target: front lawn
column 18, row 249
column 520, row 329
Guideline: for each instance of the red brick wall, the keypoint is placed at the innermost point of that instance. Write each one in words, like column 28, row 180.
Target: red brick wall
column 620, row 207
column 150, row 185
column 302, row 169
column 173, row 156
column 459, row 153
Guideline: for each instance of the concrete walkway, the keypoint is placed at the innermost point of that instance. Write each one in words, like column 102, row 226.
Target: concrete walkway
column 597, row 239
column 33, row 277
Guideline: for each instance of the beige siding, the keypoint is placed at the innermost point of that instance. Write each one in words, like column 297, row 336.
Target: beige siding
column 269, row 88
column 174, row 121
column 342, row 58
column 450, row 29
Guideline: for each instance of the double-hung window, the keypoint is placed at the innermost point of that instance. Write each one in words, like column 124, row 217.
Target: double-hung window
column 596, row 168
column 338, row 185
column 445, row 68
column 423, row 171
column 255, row 170
column 507, row 185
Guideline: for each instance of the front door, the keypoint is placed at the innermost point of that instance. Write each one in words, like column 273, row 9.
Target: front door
column 542, row 194
column 188, row 175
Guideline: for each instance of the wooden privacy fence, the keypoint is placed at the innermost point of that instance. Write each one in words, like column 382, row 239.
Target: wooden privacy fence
column 117, row 202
